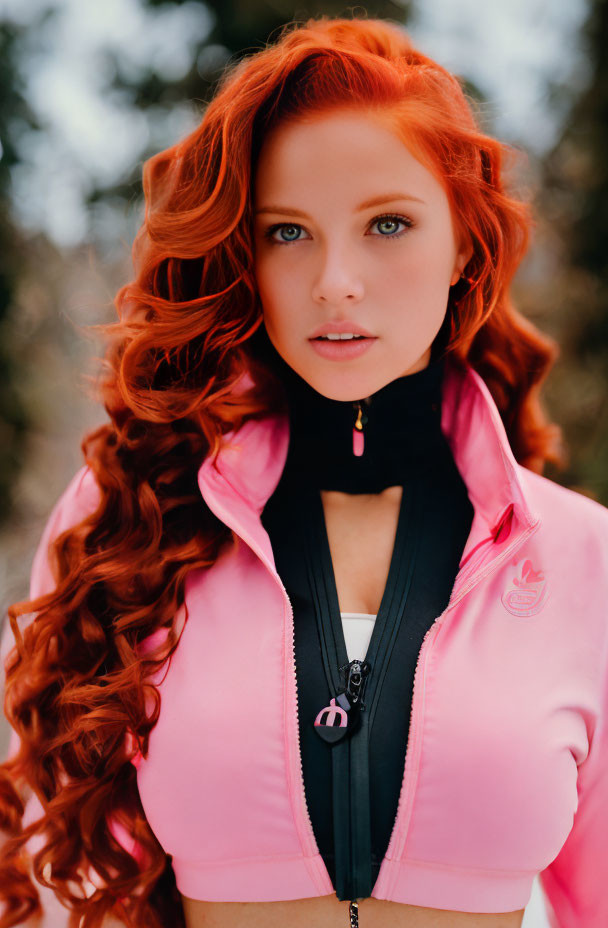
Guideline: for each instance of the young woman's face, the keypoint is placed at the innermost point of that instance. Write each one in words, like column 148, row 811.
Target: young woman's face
column 324, row 253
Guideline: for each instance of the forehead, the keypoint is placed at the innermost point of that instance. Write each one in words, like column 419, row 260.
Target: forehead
column 340, row 148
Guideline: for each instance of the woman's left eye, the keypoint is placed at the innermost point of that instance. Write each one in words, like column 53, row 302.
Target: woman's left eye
column 389, row 219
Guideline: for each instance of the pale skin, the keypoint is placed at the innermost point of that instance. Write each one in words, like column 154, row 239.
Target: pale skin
column 338, row 263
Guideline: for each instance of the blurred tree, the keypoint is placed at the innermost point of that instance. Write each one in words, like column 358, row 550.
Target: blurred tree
column 574, row 199
column 15, row 115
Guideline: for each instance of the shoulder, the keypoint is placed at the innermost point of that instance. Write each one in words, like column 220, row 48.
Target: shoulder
column 572, row 525
column 80, row 498
column 558, row 503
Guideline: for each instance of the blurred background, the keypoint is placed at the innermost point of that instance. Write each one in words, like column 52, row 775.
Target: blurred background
column 89, row 90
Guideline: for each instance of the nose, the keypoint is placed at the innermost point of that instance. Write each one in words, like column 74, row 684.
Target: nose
column 337, row 280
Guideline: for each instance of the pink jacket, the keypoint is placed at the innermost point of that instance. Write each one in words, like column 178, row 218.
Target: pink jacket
column 506, row 771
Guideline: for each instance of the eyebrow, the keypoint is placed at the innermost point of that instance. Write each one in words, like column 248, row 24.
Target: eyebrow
column 367, row 204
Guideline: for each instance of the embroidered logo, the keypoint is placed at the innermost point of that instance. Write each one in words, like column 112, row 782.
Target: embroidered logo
column 528, row 591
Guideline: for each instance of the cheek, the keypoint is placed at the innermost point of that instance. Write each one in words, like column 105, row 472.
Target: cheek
column 428, row 249
column 412, row 302
column 275, row 284
column 417, row 276
column 275, row 308
column 270, row 278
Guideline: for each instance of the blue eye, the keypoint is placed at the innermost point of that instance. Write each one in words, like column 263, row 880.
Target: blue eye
column 292, row 227
column 284, row 225
column 393, row 219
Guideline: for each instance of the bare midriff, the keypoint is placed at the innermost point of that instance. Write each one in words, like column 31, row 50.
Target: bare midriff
column 330, row 912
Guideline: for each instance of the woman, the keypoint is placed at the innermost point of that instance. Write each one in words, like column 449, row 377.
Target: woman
column 386, row 693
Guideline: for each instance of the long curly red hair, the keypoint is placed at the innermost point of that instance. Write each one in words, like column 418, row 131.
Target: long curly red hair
column 187, row 330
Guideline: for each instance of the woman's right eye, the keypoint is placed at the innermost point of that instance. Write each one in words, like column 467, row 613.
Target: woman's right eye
column 290, row 227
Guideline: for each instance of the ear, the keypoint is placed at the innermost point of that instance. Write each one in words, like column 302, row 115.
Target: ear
column 462, row 259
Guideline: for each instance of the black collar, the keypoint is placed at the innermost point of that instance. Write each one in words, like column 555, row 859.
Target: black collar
column 401, row 437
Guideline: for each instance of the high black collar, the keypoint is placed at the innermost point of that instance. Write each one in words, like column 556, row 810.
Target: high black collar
column 402, row 436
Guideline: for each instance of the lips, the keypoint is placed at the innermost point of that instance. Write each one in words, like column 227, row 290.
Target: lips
column 342, row 327
column 342, row 349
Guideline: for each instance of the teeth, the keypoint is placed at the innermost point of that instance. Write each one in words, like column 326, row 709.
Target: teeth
column 334, row 336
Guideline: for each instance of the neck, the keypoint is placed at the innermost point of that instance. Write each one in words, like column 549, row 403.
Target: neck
column 368, row 445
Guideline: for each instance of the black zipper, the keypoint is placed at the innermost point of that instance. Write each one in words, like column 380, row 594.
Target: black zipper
column 350, row 753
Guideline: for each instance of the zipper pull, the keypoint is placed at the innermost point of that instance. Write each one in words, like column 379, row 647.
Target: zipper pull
column 361, row 420
column 356, row 672
column 340, row 717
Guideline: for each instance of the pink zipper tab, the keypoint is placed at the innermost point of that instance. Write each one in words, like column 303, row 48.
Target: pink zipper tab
column 360, row 421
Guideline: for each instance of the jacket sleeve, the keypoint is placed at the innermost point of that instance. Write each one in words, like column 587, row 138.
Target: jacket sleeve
column 575, row 883
column 79, row 499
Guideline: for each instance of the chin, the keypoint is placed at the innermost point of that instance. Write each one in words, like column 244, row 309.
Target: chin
column 346, row 389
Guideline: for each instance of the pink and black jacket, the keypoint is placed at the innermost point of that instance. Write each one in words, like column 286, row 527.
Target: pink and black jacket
column 506, row 770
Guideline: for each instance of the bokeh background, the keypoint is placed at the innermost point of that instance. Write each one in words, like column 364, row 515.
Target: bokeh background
column 88, row 90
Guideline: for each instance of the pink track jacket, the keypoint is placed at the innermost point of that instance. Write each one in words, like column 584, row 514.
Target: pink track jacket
column 506, row 771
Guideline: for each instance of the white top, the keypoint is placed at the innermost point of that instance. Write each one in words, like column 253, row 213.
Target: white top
column 358, row 627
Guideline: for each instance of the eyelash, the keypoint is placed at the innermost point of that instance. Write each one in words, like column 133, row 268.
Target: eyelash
column 279, row 225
